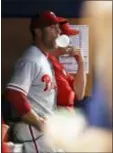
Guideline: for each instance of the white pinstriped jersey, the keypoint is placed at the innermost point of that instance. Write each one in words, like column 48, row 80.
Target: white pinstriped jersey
column 33, row 76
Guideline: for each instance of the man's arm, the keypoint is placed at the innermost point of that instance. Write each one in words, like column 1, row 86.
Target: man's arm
column 79, row 79
column 79, row 83
column 17, row 90
column 20, row 103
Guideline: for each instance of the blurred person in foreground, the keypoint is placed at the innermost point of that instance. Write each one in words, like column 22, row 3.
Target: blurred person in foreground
column 32, row 90
column 97, row 136
column 102, row 36
column 100, row 108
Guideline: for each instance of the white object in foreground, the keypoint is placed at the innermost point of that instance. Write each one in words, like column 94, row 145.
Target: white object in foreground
column 64, row 127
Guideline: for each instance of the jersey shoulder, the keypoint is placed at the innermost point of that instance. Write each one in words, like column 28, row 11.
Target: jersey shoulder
column 33, row 54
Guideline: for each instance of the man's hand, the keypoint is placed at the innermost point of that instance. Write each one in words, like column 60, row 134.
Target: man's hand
column 41, row 123
column 33, row 119
column 76, row 53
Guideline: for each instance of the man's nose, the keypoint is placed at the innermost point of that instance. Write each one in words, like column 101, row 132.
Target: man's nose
column 58, row 31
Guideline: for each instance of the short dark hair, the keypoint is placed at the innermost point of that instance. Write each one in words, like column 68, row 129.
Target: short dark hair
column 36, row 16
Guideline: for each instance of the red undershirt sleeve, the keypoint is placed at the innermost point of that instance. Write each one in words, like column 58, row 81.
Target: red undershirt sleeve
column 18, row 100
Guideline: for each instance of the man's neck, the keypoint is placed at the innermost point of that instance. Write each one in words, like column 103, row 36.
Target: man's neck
column 56, row 53
column 41, row 47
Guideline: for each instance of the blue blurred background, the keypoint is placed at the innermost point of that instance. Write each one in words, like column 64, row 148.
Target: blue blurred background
column 27, row 8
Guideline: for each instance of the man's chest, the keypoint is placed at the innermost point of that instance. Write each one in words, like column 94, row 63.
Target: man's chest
column 45, row 80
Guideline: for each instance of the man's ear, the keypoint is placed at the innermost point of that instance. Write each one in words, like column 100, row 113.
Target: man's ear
column 38, row 31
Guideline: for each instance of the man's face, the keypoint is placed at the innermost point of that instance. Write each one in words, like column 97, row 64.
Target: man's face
column 49, row 35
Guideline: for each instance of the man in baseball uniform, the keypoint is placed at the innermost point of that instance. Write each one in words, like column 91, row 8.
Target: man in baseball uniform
column 32, row 88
